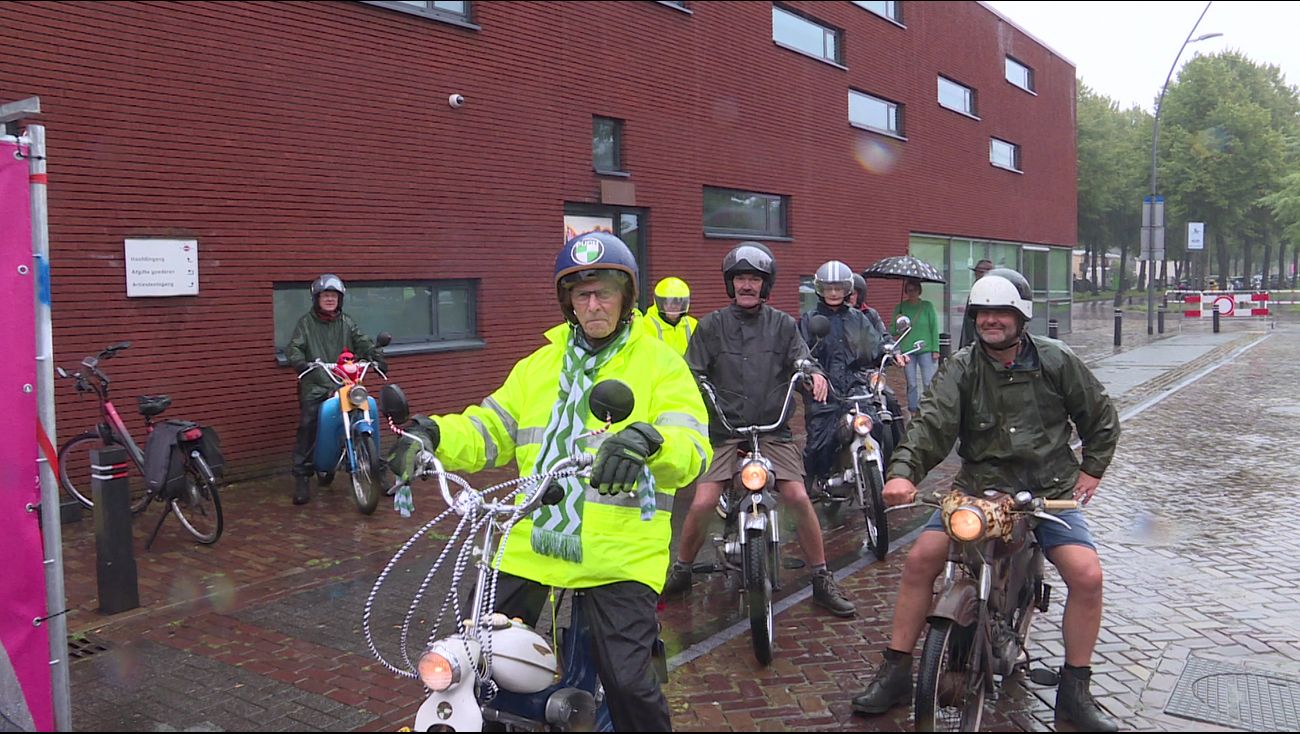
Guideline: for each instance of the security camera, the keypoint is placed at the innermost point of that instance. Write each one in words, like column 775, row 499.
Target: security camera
column 456, row 100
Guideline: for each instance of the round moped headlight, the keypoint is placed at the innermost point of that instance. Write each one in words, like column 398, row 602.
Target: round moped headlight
column 753, row 475
column 862, row 424
column 357, row 395
column 966, row 524
column 437, row 671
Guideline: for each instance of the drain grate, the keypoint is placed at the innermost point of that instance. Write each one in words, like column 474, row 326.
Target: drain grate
column 83, row 646
column 1224, row 693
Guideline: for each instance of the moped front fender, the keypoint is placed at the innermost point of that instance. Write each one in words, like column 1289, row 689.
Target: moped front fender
column 456, row 709
column 959, row 602
column 363, row 428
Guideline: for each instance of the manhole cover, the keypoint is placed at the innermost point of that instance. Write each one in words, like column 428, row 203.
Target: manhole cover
column 1226, row 694
column 81, row 647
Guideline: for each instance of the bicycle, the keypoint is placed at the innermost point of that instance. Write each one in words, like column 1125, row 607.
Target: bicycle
column 195, row 502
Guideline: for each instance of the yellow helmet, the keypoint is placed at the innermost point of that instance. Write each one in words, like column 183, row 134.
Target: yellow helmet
column 672, row 295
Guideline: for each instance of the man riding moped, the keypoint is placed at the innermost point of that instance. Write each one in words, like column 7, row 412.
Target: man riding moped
column 748, row 352
column 1009, row 400
column 323, row 333
column 609, row 536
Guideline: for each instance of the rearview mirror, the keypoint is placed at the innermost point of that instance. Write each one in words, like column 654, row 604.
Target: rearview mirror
column 819, row 326
column 383, row 340
column 919, row 345
column 611, row 401
column 392, row 403
column 903, row 322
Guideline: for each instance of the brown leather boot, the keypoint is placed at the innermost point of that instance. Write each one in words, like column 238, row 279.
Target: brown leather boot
column 891, row 687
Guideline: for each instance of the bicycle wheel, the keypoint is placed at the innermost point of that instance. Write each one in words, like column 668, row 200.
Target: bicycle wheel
column 198, row 504
column 758, row 593
column 950, row 686
column 74, row 472
column 871, row 490
column 365, row 475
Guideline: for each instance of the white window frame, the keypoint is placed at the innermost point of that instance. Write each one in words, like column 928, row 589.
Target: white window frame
column 893, row 113
column 1019, row 74
column 994, row 159
column 890, row 10
column 969, row 94
column 828, row 32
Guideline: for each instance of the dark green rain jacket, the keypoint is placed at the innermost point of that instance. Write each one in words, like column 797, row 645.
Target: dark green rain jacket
column 1013, row 422
column 314, row 338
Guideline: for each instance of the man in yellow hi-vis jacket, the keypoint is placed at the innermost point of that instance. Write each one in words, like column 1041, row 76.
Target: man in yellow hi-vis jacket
column 610, row 534
column 668, row 317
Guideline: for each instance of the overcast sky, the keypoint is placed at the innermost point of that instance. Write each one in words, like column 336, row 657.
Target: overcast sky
column 1123, row 49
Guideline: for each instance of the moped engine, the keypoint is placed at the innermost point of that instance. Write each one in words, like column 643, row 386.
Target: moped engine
column 571, row 709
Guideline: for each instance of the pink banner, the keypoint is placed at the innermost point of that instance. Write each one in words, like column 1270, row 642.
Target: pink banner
column 26, row 653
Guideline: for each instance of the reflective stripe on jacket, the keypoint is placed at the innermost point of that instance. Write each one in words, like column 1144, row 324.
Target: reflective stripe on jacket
column 1013, row 423
column 617, row 545
column 677, row 336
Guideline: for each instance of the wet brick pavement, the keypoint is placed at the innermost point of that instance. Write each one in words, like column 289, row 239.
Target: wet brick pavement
column 262, row 631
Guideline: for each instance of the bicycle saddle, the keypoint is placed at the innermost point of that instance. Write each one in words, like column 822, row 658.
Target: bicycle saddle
column 153, row 404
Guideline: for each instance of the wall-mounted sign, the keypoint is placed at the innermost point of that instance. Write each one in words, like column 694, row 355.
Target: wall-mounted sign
column 162, row 268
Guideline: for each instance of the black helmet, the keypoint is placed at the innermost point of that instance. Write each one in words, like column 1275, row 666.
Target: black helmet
column 328, row 282
column 584, row 258
column 749, row 257
column 860, row 288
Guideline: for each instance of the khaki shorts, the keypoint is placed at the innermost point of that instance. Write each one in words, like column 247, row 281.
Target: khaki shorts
column 786, row 458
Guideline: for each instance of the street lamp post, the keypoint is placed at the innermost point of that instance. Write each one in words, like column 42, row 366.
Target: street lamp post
column 1151, row 223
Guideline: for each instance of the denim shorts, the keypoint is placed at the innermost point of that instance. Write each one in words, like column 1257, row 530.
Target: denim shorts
column 1049, row 534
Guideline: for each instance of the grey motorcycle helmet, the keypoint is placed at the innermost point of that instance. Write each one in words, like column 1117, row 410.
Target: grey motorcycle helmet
column 833, row 273
column 749, row 257
column 328, row 282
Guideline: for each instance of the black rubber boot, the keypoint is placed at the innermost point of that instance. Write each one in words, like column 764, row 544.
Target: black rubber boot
column 301, row 492
column 1074, row 702
column 891, row 687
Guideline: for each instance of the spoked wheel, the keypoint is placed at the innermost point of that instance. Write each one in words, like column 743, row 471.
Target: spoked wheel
column 365, row 476
column 75, row 471
column 198, row 504
column 758, row 593
column 871, row 490
column 950, row 686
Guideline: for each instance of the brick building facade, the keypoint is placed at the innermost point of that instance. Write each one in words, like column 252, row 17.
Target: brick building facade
column 287, row 139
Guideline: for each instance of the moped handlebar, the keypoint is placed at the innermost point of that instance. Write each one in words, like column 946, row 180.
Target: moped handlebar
column 328, row 369
column 428, row 465
column 803, row 369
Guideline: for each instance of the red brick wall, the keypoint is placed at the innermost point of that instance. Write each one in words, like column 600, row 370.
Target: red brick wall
column 296, row 138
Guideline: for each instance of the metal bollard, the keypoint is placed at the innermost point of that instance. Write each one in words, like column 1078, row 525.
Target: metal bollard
column 1216, row 318
column 945, row 345
column 118, row 585
column 1160, row 320
column 1053, row 329
column 1119, row 326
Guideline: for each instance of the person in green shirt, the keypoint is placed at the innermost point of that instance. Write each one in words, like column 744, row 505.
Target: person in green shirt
column 925, row 327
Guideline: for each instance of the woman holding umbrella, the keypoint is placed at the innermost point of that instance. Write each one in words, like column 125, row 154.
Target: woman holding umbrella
column 925, row 327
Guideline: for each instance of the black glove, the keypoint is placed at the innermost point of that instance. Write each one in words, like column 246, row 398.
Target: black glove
column 402, row 459
column 620, row 459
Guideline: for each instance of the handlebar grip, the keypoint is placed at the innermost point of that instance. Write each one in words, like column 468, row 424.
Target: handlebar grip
column 552, row 494
column 1060, row 504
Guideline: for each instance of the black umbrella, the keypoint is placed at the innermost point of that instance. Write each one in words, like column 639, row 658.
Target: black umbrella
column 901, row 267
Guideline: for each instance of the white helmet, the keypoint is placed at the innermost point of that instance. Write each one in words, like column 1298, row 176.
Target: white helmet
column 1002, row 288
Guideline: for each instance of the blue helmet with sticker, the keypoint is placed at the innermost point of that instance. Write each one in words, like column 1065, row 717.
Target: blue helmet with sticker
column 588, row 257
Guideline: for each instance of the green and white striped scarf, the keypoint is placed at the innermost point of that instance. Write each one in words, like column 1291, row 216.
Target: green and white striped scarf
column 557, row 529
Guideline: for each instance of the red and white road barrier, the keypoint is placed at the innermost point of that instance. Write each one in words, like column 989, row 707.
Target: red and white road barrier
column 1227, row 303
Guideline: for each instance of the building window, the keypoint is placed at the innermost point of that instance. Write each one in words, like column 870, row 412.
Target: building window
column 678, row 4
column 607, row 144
column 805, row 35
column 956, row 97
column 1020, row 75
column 1004, row 155
column 883, row 8
column 428, row 313
column 874, row 113
column 745, row 213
